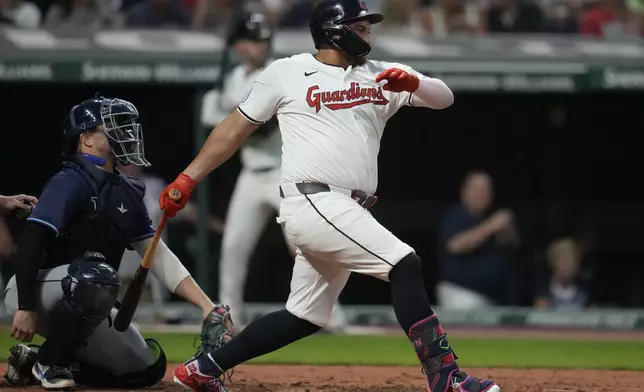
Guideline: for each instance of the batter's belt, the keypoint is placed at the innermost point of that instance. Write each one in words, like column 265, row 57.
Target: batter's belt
column 307, row 188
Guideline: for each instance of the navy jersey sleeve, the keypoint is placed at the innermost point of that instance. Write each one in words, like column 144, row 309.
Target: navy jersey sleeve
column 65, row 195
column 144, row 225
column 145, row 228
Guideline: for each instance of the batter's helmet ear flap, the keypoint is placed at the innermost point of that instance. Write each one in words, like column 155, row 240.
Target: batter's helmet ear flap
column 346, row 40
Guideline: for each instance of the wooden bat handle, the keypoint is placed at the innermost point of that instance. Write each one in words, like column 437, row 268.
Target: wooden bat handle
column 175, row 195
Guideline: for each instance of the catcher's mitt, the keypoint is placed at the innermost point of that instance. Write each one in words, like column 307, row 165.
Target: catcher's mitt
column 217, row 329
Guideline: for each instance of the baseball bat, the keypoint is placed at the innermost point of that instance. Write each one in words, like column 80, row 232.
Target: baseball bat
column 135, row 290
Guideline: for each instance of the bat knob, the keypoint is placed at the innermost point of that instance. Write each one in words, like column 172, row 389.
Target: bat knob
column 174, row 194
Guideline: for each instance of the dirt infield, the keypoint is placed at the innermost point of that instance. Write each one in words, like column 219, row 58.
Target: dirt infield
column 265, row 378
column 281, row 378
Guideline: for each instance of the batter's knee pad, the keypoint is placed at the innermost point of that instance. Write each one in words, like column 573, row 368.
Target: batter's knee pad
column 93, row 376
column 90, row 290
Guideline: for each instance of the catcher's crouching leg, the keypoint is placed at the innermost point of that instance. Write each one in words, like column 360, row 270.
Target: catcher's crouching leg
column 94, row 376
column 90, row 290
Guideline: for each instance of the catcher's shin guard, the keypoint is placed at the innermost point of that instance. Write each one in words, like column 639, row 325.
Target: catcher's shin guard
column 90, row 290
column 439, row 361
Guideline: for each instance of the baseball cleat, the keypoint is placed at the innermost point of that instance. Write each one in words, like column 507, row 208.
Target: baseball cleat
column 190, row 377
column 20, row 362
column 54, row 377
column 462, row 382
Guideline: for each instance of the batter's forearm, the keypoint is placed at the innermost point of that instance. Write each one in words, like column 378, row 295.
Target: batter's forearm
column 222, row 143
column 433, row 93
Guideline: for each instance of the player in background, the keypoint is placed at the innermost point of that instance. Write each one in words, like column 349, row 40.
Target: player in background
column 332, row 108
column 131, row 258
column 20, row 206
column 17, row 204
column 66, row 285
column 255, row 199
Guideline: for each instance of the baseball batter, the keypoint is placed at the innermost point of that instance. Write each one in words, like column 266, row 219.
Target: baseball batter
column 332, row 108
column 255, row 198
column 66, row 283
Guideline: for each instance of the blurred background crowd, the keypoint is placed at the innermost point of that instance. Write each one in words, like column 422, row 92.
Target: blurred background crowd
column 596, row 18
column 473, row 241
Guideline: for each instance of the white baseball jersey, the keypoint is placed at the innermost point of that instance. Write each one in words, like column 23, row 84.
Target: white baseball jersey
column 257, row 153
column 331, row 118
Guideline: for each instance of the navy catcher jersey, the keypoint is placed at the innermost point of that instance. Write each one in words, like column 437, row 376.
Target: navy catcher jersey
column 91, row 210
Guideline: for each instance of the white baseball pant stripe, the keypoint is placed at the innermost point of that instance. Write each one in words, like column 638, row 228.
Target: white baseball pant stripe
column 117, row 352
column 334, row 236
column 254, row 202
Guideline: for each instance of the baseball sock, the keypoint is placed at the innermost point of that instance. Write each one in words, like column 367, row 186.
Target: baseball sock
column 416, row 317
column 408, row 295
column 264, row 335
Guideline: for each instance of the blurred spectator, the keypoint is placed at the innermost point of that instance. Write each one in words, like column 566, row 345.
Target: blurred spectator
column 212, row 13
column 399, row 14
column 562, row 17
column 158, row 14
column 567, row 288
column 473, row 240
column 215, row 14
column 81, row 13
column 515, row 16
column 447, row 17
column 609, row 19
column 297, row 13
column 20, row 13
column 636, row 8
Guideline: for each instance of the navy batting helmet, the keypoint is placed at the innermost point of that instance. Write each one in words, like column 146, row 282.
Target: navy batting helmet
column 328, row 25
column 119, row 120
column 251, row 26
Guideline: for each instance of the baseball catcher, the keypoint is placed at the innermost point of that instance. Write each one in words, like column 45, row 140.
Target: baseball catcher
column 65, row 288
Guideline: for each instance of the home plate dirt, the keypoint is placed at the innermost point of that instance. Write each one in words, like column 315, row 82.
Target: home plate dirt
column 280, row 378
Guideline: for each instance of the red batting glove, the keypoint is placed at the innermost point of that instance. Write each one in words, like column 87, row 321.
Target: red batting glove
column 183, row 184
column 398, row 80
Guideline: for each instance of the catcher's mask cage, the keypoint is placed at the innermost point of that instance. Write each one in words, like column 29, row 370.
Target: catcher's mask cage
column 125, row 134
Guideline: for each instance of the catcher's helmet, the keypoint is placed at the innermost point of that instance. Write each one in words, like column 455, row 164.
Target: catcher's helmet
column 252, row 26
column 328, row 25
column 119, row 119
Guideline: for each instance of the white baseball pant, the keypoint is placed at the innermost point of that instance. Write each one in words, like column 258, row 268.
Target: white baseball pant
column 334, row 236
column 254, row 201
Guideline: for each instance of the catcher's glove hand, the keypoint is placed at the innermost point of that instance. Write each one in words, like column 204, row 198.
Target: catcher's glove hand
column 217, row 329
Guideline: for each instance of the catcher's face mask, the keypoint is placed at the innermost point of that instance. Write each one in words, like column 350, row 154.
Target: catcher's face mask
column 125, row 134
